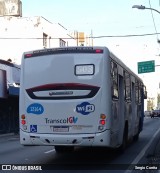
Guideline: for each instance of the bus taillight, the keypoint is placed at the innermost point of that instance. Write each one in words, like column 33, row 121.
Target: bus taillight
column 102, row 122
column 23, row 122
column 28, row 55
column 99, row 51
column 102, row 116
column 23, row 119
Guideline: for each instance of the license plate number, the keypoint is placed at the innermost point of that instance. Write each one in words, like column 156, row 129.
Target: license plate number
column 60, row 128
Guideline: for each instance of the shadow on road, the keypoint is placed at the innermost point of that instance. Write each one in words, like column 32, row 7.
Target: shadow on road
column 85, row 158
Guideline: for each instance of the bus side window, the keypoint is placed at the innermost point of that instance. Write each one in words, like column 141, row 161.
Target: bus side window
column 137, row 92
column 138, row 88
column 140, row 92
column 127, row 86
column 114, row 80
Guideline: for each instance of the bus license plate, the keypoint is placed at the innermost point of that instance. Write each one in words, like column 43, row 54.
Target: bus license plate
column 60, row 128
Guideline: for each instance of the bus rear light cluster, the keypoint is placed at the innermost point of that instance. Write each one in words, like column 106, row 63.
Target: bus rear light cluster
column 23, row 119
column 102, row 122
column 23, row 122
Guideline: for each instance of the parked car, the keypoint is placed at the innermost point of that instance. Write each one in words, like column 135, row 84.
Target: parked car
column 155, row 113
column 147, row 113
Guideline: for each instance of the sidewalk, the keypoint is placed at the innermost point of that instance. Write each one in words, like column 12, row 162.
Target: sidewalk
column 7, row 134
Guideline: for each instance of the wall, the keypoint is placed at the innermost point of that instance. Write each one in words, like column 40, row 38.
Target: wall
column 20, row 34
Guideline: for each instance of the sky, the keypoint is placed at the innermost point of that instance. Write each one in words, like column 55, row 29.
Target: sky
column 110, row 18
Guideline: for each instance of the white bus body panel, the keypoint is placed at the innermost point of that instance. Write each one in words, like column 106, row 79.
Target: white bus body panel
column 98, row 139
column 65, row 121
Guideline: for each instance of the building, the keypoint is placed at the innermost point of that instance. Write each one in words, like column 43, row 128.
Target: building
column 20, row 34
column 9, row 100
column 17, row 35
column 150, row 104
column 82, row 39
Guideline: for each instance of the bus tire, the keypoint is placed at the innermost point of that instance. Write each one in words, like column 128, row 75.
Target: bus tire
column 136, row 137
column 63, row 149
column 123, row 146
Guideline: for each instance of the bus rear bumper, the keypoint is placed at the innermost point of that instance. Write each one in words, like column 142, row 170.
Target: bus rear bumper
column 98, row 139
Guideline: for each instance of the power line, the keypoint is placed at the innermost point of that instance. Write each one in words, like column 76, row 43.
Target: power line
column 132, row 35
column 94, row 37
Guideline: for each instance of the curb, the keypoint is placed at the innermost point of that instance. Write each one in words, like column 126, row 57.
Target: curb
column 7, row 134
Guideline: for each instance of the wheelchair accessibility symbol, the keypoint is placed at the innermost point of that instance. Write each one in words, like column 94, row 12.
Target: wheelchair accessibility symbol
column 33, row 128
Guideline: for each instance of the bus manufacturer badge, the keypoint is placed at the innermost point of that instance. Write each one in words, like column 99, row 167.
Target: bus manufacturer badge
column 85, row 108
column 55, row 93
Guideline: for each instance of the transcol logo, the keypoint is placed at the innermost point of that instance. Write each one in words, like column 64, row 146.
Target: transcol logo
column 85, row 108
column 70, row 120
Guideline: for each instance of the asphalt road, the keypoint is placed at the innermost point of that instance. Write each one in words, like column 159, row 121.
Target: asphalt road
column 86, row 159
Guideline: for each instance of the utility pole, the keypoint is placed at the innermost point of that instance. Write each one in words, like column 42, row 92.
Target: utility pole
column 92, row 37
column 77, row 37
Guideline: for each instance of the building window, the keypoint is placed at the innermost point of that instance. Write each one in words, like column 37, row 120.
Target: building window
column 45, row 40
column 62, row 43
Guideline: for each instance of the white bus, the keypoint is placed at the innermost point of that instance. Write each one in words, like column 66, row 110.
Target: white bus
column 79, row 96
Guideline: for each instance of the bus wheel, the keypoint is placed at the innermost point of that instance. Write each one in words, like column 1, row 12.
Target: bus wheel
column 123, row 146
column 136, row 137
column 63, row 149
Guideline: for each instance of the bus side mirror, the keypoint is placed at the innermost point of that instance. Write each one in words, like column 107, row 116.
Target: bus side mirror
column 145, row 94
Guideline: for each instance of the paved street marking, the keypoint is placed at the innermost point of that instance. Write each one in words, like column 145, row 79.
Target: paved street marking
column 141, row 154
column 49, row 151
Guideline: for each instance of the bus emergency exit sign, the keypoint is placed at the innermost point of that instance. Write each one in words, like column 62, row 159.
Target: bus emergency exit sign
column 146, row 66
